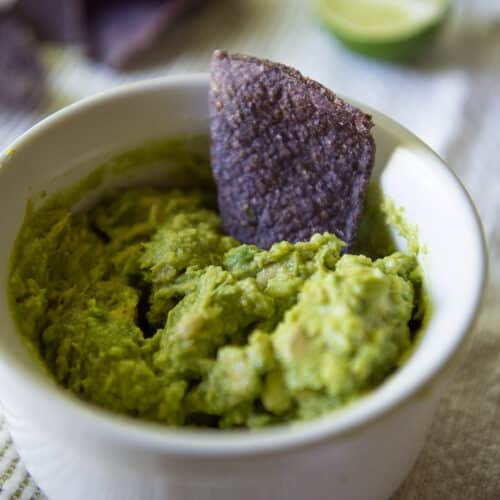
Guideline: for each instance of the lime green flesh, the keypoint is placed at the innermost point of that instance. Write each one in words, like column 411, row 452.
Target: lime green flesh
column 390, row 29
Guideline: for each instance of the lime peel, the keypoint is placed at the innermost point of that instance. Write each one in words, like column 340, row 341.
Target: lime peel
column 385, row 28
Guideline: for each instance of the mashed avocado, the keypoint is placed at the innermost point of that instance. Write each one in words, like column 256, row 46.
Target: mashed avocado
column 143, row 306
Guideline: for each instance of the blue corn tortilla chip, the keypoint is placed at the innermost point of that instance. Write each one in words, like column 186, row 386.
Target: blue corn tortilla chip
column 112, row 31
column 55, row 20
column 121, row 30
column 21, row 73
column 289, row 157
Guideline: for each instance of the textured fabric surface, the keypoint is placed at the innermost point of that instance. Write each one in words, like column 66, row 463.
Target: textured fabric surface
column 451, row 100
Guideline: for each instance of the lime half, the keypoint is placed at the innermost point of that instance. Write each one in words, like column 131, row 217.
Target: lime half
column 390, row 29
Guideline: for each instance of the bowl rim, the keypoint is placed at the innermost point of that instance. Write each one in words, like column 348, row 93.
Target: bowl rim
column 214, row 443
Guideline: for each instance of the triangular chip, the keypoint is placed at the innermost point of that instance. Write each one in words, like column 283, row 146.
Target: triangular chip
column 22, row 82
column 112, row 31
column 290, row 158
column 55, row 20
column 119, row 31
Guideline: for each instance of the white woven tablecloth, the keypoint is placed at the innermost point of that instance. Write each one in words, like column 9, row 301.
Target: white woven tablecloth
column 451, row 100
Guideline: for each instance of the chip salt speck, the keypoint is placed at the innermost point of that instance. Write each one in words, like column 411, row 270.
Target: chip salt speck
column 290, row 158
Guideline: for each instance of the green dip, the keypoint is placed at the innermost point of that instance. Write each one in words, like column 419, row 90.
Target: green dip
column 143, row 306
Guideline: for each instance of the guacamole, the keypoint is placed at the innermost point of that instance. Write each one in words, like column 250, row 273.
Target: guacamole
column 143, row 306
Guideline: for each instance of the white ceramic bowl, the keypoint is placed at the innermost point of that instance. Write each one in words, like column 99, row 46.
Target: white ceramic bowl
column 76, row 451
